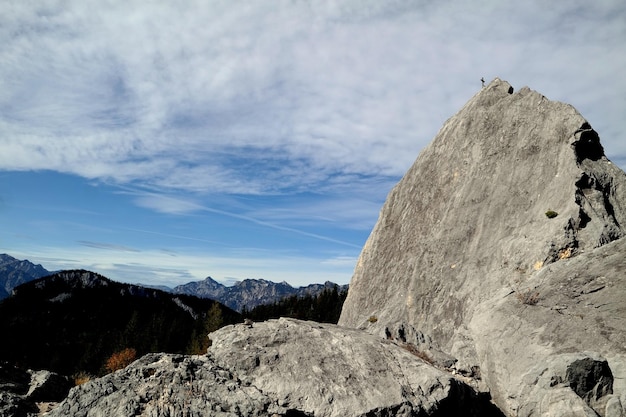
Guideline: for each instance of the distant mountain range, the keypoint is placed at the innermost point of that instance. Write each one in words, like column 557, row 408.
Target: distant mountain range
column 250, row 293
column 245, row 294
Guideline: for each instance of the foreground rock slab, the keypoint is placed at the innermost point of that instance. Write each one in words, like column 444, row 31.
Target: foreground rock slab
column 281, row 367
column 326, row 370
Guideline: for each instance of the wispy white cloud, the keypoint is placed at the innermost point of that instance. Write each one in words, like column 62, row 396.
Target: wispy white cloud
column 265, row 96
column 276, row 219
column 166, row 204
column 107, row 246
column 321, row 211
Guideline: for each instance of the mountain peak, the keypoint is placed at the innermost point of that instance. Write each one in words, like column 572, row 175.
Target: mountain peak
column 511, row 185
column 477, row 196
column 79, row 278
column 14, row 272
column 249, row 292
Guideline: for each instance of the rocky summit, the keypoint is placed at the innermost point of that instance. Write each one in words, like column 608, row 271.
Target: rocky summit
column 493, row 284
column 501, row 245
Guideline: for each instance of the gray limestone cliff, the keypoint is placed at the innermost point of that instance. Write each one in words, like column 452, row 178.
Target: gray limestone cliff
column 501, row 249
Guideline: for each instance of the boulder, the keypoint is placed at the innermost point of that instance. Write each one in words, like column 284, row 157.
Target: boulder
column 46, row 386
column 22, row 391
column 281, row 367
column 326, row 370
column 161, row 384
column 502, row 244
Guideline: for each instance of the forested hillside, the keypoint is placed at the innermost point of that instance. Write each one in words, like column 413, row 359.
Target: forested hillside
column 75, row 321
column 324, row 307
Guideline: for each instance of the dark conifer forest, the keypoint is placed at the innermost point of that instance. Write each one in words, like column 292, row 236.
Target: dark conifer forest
column 323, row 308
column 74, row 321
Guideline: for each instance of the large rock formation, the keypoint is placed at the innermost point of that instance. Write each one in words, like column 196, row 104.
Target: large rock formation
column 500, row 248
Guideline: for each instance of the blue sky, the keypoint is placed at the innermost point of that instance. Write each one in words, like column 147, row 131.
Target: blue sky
column 163, row 142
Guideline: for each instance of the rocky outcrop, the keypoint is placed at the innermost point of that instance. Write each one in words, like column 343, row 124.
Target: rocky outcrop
column 580, row 309
column 281, row 367
column 501, row 246
column 25, row 393
column 325, row 370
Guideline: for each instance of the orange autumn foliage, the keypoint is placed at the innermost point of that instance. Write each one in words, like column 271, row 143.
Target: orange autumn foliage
column 120, row 359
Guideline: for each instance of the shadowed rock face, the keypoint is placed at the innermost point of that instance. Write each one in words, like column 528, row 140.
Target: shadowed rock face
column 23, row 393
column 464, row 252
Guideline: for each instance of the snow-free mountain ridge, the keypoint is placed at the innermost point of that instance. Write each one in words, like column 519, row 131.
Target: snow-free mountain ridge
column 250, row 293
column 245, row 294
column 14, row 272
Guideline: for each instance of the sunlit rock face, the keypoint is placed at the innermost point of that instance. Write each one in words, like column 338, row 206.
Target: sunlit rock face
column 502, row 244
